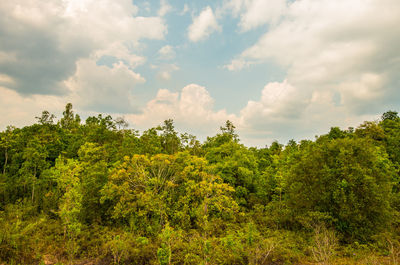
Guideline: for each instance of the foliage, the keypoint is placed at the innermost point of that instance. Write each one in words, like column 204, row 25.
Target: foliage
column 98, row 192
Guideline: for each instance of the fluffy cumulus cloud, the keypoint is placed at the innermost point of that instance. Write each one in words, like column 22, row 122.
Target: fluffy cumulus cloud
column 19, row 110
column 254, row 13
column 93, row 89
column 41, row 42
column 164, row 8
column 340, row 59
column 278, row 101
column 192, row 109
column 166, row 52
column 203, row 25
column 342, row 55
column 165, row 71
column 102, row 88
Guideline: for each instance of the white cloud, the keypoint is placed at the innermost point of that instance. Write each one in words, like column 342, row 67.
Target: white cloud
column 278, row 100
column 368, row 91
column 341, row 59
column 53, row 35
column 6, row 80
column 121, row 53
column 254, row 13
column 184, row 10
column 276, row 115
column 101, row 88
column 203, row 25
column 93, row 89
column 164, row 8
column 191, row 108
column 238, row 64
column 344, row 53
column 260, row 12
column 21, row 110
column 166, row 52
column 166, row 71
column 272, row 117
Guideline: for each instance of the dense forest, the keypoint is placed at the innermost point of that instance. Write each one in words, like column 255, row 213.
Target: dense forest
column 96, row 192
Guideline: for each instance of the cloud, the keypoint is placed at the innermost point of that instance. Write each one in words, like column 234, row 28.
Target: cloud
column 276, row 116
column 121, row 53
column 192, row 108
column 344, row 50
column 94, row 89
column 341, row 62
column 103, row 89
column 167, row 52
column 166, row 71
column 22, row 110
column 254, row 13
column 41, row 41
column 273, row 116
column 203, row 25
column 364, row 95
column 164, row 8
column 278, row 101
column 184, row 10
column 238, row 64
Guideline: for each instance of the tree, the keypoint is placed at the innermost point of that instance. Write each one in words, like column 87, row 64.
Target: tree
column 347, row 179
column 390, row 115
column 66, row 172
column 69, row 121
column 46, row 118
column 6, row 141
column 121, row 123
column 164, row 252
column 137, row 188
column 229, row 129
column 236, row 165
column 34, row 156
column 93, row 176
column 189, row 142
column 150, row 142
column 169, row 137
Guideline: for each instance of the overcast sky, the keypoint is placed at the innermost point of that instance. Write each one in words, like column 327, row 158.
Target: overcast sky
column 278, row 69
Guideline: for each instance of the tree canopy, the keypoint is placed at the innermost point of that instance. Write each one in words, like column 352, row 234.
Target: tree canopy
column 73, row 190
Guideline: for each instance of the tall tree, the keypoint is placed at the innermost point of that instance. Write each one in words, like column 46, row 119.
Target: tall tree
column 6, row 141
column 169, row 137
column 35, row 162
column 69, row 121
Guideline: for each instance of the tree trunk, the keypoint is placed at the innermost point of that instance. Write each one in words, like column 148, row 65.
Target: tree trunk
column 5, row 162
column 33, row 190
column 33, row 185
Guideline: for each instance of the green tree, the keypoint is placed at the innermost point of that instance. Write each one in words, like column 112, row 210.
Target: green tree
column 169, row 137
column 150, row 142
column 6, row 141
column 347, row 179
column 46, row 118
column 34, row 156
column 93, row 176
column 236, row 164
column 66, row 172
column 137, row 188
column 69, row 121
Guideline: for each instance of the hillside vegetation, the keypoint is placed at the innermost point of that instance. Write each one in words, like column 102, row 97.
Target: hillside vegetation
column 95, row 192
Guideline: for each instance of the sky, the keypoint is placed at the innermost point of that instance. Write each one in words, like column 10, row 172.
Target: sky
column 278, row 69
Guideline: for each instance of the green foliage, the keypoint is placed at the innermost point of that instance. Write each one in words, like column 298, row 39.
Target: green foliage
column 348, row 179
column 101, row 193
